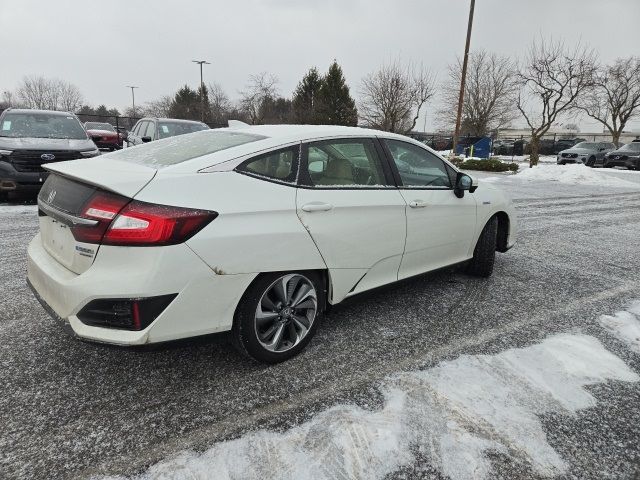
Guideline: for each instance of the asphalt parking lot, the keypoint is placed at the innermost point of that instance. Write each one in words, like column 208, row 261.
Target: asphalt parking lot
column 71, row 409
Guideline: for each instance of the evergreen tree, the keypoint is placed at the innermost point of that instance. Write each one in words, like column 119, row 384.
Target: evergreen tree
column 336, row 105
column 204, row 103
column 185, row 104
column 306, row 98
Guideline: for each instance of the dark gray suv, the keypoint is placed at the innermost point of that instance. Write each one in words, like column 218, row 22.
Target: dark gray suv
column 31, row 138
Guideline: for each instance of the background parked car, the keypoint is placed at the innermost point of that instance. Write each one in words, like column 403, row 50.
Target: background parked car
column 30, row 138
column 626, row 156
column 586, row 152
column 104, row 135
column 149, row 129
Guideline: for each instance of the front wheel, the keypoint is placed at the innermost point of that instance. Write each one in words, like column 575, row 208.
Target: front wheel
column 278, row 315
column 591, row 162
column 484, row 255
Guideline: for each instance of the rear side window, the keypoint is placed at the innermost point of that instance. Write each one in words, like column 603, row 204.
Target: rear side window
column 174, row 150
column 344, row 163
column 280, row 165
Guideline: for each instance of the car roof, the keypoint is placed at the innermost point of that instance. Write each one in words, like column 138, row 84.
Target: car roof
column 176, row 120
column 30, row 110
column 308, row 132
column 276, row 136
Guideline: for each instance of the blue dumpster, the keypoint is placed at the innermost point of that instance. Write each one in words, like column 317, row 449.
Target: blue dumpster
column 479, row 147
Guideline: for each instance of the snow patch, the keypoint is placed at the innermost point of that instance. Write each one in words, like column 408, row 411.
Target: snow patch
column 18, row 209
column 625, row 325
column 576, row 174
column 453, row 414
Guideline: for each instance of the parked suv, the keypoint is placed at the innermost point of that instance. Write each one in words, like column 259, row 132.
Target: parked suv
column 149, row 129
column 626, row 156
column 588, row 153
column 31, row 138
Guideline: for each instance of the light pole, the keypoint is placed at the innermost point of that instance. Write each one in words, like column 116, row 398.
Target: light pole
column 201, row 62
column 456, row 134
column 133, row 98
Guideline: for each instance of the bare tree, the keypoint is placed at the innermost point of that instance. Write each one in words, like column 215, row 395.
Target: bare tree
column 552, row 77
column 34, row 92
column 489, row 96
column 220, row 104
column 261, row 88
column 391, row 98
column 614, row 98
column 154, row 108
column 50, row 94
column 69, row 96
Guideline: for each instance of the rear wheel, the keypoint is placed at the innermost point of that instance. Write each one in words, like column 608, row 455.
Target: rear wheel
column 278, row 315
column 484, row 255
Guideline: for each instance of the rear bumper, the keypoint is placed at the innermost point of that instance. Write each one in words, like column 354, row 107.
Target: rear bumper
column 206, row 302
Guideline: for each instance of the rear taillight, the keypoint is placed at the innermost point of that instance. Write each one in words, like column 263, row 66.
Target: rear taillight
column 141, row 223
column 122, row 221
column 102, row 208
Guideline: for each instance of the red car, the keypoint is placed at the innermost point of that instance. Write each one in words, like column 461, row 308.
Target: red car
column 104, row 135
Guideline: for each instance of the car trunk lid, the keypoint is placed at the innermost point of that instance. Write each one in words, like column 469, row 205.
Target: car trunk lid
column 64, row 195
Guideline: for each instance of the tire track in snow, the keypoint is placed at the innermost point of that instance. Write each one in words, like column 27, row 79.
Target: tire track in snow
column 454, row 413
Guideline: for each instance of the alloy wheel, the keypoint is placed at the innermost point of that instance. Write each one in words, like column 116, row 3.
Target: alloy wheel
column 285, row 312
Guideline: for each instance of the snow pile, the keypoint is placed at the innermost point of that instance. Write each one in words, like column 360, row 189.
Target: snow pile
column 625, row 325
column 576, row 174
column 452, row 414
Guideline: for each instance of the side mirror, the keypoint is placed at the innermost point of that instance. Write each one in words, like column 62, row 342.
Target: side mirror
column 145, row 139
column 463, row 183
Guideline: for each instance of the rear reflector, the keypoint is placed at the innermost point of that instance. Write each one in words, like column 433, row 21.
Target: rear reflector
column 126, row 314
column 125, row 222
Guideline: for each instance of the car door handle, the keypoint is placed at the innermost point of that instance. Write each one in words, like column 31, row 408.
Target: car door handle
column 317, row 207
column 417, row 204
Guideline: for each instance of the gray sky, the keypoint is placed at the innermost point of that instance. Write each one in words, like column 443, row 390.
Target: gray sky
column 103, row 46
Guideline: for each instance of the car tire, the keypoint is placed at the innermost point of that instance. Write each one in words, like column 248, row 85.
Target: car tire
column 266, row 302
column 591, row 162
column 561, row 163
column 484, row 255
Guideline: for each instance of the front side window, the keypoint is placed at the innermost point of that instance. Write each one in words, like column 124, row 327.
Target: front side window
column 279, row 165
column 151, row 130
column 42, row 125
column 418, row 167
column 344, row 163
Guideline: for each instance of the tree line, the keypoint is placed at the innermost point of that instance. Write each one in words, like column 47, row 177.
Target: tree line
column 552, row 81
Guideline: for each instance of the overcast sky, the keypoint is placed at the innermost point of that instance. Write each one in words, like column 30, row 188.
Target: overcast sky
column 103, row 46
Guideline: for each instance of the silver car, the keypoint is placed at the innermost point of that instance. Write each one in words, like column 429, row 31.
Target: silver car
column 585, row 152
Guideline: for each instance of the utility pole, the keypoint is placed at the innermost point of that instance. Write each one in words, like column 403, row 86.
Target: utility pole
column 201, row 62
column 456, row 134
column 133, row 98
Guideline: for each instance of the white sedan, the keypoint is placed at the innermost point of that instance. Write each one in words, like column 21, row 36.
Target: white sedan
column 251, row 229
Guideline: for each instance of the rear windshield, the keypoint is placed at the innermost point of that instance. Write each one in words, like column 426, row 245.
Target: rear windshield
column 171, row 129
column 171, row 151
column 41, row 125
column 99, row 126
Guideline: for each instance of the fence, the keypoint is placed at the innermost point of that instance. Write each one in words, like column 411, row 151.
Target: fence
column 515, row 145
